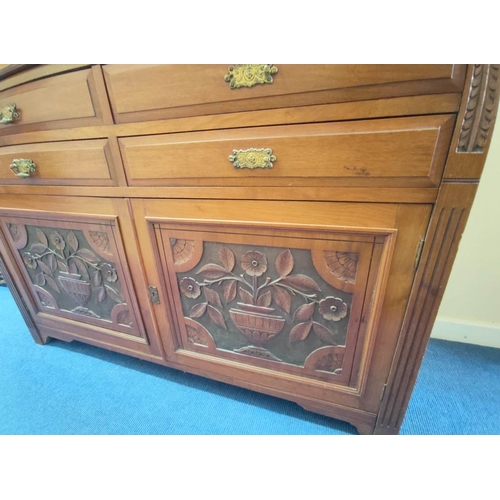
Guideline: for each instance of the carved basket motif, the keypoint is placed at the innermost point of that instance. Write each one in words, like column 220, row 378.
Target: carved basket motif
column 77, row 288
column 256, row 323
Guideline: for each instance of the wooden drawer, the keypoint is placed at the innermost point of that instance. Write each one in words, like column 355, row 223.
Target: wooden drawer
column 391, row 152
column 153, row 92
column 78, row 163
column 69, row 100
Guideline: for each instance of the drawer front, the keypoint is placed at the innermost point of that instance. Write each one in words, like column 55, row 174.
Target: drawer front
column 151, row 92
column 68, row 100
column 79, row 163
column 402, row 151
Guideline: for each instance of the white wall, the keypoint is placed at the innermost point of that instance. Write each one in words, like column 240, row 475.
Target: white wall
column 470, row 311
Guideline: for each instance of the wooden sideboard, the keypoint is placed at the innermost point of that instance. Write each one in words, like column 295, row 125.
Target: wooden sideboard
column 285, row 228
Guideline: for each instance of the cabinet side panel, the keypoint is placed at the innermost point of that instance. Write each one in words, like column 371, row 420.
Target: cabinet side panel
column 4, row 272
column 441, row 245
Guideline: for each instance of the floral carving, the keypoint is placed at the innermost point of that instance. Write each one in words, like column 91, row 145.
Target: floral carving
column 332, row 309
column 109, row 273
column 254, row 263
column 190, row 288
column 66, row 267
column 254, row 317
column 29, row 260
column 57, row 240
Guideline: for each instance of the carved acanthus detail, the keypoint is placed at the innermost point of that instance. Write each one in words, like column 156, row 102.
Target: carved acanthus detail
column 481, row 107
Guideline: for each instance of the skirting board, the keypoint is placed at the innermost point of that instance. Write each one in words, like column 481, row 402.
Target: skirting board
column 469, row 333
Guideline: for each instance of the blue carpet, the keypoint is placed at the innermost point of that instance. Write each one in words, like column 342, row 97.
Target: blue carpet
column 73, row 388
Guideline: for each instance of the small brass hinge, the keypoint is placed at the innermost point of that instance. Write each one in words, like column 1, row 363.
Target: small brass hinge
column 153, row 295
column 420, row 247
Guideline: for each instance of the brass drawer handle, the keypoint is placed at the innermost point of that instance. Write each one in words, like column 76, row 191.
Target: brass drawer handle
column 252, row 158
column 23, row 168
column 8, row 114
column 248, row 75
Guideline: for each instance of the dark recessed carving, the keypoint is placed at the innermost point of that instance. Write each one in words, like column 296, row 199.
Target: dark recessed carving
column 69, row 276
column 272, row 296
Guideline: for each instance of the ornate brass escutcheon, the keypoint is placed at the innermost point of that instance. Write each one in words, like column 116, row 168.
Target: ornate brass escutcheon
column 252, row 158
column 248, row 75
column 8, row 114
column 23, row 168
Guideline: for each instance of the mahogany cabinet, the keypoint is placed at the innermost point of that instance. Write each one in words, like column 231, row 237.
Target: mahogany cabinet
column 288, row 229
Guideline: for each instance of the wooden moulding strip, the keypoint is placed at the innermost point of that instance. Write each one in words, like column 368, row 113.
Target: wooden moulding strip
column 351, row 194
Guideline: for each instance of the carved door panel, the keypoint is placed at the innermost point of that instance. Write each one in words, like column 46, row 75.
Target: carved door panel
column 297, row 293
column 75, row 271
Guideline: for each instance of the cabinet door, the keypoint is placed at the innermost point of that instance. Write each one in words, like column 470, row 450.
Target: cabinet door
column 70, row 259
column 302, row 300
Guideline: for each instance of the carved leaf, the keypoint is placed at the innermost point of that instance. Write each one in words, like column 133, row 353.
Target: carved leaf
column 246, row 297
column 301, row 282
column 82, row 268
column 96, row 278
column 101, row 294
column 227, row 258
column 198, row 310
column 212, row 271
column 40, row 279
column 300, row 331
column 62, row 266
column 73, row 242
column 73, row 268
column 212, row 296
column 282, row 298
column 265, row 299
column 52, row 261
column 41, row 236
column 113, row 294
column 52, row 284
column 323, row 333
column 88, row 255
column 38, row 248
column 45, row 268
column 284, row 263
column 216, row 317
column 304, row 312
column 229, row 288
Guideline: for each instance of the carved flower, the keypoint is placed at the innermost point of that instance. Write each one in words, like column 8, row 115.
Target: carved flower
column 29, row 260
column 57, row 240
column 109, row 272
column 190, row 288
column 254, row 263
column 333, row 309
